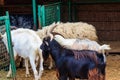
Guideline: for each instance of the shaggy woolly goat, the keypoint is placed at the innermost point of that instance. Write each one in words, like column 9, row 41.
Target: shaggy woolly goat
column 79, row 30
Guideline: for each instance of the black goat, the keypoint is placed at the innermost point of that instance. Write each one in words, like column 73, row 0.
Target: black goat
column 82, row 64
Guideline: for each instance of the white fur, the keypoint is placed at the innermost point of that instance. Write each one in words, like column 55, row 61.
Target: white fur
column 63, row 41
column 27, row 45
column 81, row 44
column 88, row 44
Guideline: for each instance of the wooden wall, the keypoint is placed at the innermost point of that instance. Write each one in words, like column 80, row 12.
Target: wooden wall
column 1, row 2
column 24, row 2
column 20, row 6
column 105, row 17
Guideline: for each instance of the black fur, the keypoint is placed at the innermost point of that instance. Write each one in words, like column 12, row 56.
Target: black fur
column 73, row 63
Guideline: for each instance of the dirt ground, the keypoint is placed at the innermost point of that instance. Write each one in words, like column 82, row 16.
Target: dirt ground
column 112, row 71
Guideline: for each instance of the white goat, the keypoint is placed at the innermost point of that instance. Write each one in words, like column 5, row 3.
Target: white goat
column 81, row 44
column 27, row 45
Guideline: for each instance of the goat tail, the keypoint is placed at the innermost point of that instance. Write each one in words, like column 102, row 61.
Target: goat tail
column 105, row 47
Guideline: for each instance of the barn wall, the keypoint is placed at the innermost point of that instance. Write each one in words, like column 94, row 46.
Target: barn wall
column 21, row 6
column 20, row 11
column 1, row 2
column 105, row 17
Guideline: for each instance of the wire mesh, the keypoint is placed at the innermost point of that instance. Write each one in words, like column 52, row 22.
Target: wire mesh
column 4, row 56
column 49, row 13
column 6, row 53
column 2, row 27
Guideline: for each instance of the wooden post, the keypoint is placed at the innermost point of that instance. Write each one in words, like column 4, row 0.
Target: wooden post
column 1, row 2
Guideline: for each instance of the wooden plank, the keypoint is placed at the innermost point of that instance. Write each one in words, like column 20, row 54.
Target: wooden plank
column 98, row 16
column 64, row 17
column 18, row 2
column 64, row 13
column 105, row 26
column 98, row 7
column 1, row 2
column 26, row 9
column 108, row 35
column 95, row 1
column 105, row 18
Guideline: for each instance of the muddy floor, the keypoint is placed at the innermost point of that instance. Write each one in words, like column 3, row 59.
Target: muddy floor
column 112, row 71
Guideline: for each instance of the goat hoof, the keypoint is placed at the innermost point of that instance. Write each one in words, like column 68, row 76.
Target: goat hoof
column 27, row 75
column 37, row 78
column 8, row 76
column 49, row 67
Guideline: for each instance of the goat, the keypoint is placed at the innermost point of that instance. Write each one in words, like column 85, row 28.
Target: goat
column 80, row 44
column 82, row 64
column 26, row 44
column 42, row 33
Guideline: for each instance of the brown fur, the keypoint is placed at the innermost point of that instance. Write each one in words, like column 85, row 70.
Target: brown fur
column 94, row 75
column 85, row 55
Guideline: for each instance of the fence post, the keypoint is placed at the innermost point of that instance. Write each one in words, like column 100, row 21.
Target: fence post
column 34, row 14
column 12, row 62
column 43, row 16
column 58, row 12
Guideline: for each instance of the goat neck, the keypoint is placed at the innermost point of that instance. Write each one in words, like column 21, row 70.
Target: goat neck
column 55, row 50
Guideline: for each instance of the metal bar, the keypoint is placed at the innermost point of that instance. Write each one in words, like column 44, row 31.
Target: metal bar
column 53, row 4
column 43, row 16
column 58, row 12
column 3, row 17
column 34, row 13
column 39, row 16
column 10, row 48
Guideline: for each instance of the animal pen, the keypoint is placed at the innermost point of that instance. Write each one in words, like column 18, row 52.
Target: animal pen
column 104, row 15
column 47, row 14
column 98, row 13
column 6, row 56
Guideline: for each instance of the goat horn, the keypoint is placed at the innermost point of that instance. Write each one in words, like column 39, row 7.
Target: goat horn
column 51, row 28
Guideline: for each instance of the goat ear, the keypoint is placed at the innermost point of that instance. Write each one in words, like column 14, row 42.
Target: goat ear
column 46, row 40
column 46, row 43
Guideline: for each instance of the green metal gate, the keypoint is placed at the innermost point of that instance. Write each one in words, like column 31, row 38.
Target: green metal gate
column 47, row 14
column 5, row 25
